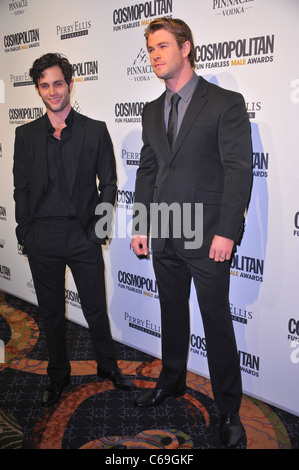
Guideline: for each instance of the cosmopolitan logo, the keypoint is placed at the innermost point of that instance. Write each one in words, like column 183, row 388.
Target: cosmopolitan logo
column 246, row 267
column 22, row 40
column 293, row 329
column 128, row 112
column 5, row 272
column 72, row 298
column 125, row 199
column 74, row 30
column 138, row 284
column 86, row 71
column 138, row 15
column 249, row 363
column 23, row 79
column 22, row 115
column 240, row 315
column 296, row 224
column 146, row 326
column 2, row 213
column 260, row 164
column 198, row 345
column 232, row 53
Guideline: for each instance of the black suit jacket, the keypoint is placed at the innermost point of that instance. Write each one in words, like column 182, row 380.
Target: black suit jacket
column 211, row 164
column 92, row 158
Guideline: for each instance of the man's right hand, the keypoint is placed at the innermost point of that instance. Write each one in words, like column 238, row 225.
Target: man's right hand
column 139, row 245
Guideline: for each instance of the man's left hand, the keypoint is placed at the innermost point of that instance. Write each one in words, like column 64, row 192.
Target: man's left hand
column 221, row 248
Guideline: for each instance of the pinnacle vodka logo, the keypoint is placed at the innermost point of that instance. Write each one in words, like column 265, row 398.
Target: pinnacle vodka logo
column 141, row 69
column 231, row 7
column 18, row 7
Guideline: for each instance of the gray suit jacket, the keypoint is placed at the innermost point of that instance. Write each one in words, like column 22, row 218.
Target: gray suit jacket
column 211, row 164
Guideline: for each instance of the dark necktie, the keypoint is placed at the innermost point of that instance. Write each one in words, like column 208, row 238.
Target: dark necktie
column 173, row 120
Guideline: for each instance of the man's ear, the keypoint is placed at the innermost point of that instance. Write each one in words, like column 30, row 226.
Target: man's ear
column 36, row 87
column 186, row 47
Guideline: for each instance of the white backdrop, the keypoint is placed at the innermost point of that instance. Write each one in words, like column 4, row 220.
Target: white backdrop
column 246, row 45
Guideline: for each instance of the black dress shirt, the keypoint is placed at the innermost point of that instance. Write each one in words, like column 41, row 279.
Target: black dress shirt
column 58, row 201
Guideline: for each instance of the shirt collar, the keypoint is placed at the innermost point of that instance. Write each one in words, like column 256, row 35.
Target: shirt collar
column 69, row 121
column 185, row 92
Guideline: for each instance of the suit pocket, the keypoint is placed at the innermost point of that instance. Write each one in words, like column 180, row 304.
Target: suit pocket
column 209, row 197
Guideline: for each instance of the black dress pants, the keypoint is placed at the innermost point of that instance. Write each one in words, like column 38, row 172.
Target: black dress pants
column 211, row 281
column 52, row 244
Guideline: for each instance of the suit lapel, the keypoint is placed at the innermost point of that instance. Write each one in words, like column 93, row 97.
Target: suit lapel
column 160, row 126
column 40, row 129
column 78, row 136
column 197, row 103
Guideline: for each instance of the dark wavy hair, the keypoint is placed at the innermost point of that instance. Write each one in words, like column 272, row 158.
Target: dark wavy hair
column 49, row 60
column 178, row 28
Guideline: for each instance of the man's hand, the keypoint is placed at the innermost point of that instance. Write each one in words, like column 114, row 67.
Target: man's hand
column 221, row 248
column 139, row 245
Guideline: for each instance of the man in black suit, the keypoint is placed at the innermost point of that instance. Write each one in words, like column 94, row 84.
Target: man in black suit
column 57, row 159
column 204, row 169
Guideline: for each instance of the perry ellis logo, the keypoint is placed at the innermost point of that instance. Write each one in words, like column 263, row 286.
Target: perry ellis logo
column 76, row 29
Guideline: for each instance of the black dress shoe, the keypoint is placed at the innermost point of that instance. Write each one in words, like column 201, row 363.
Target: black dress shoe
column 52, row 394
column 156, row 396
column 230, row 429
column 118, row 379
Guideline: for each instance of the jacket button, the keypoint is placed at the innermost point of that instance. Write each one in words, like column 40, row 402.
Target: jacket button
column 171, row 168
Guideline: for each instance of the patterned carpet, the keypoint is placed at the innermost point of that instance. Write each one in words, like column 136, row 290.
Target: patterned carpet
column 93, row 415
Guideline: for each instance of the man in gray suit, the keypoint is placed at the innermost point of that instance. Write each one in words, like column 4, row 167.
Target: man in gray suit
column 203, row 161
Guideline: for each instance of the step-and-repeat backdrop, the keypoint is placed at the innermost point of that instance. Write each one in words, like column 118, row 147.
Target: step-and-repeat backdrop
column 250, row 46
